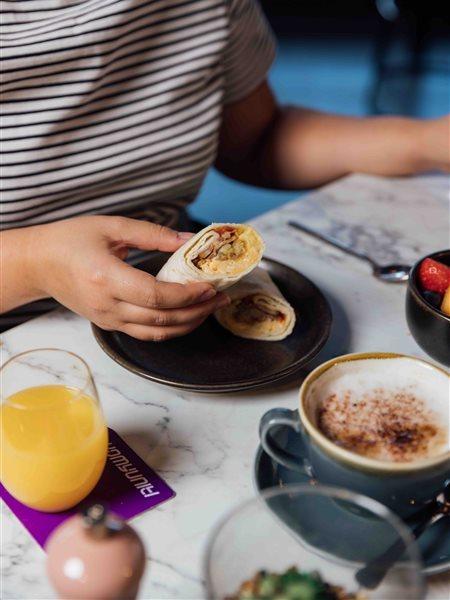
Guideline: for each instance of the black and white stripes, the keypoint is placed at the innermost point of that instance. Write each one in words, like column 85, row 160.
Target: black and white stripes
column 110, row 105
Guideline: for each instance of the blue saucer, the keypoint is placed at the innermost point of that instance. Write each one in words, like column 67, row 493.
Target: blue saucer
column 434, row 544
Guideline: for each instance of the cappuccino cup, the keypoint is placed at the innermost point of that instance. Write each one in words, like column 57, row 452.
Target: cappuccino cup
column 377, row 424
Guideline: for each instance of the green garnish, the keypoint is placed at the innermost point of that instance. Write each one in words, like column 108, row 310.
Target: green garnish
column 290, row 585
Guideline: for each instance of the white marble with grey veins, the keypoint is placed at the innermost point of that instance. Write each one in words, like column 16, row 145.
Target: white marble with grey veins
column 204, row 446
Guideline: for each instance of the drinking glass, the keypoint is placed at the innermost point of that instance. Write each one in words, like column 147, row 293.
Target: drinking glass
column 53, row 435
column 345, row 538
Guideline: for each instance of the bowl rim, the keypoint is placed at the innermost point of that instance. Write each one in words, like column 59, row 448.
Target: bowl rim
column 414, row 289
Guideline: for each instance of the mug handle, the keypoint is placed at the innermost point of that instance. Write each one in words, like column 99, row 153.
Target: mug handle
column 288, row 418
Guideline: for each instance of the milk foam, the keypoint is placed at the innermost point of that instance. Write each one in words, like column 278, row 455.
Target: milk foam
column 394, row 376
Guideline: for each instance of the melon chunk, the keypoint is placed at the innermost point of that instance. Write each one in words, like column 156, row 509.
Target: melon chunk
column 445, row 306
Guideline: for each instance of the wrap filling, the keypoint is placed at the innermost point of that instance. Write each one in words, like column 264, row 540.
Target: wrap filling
column 255, row 309
column 222, row 246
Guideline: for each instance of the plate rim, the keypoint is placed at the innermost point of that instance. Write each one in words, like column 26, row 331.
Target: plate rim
column 101, row 337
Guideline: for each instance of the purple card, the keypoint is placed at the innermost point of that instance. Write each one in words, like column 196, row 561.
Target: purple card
column 127, row 487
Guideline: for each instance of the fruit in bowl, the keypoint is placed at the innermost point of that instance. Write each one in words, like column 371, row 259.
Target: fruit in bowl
column 445, row 306
column 434, row 279
column 428, row 305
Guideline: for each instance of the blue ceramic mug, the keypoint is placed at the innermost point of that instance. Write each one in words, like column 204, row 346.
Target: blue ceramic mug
column 402, row 486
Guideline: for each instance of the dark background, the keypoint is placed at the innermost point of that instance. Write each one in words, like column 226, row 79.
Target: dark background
column 357, row 17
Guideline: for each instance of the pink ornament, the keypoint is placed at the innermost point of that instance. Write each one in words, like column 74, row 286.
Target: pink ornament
column 95, row 556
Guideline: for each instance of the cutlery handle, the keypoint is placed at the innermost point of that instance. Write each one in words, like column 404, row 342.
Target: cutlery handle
column 374, row 572
column 332, row 241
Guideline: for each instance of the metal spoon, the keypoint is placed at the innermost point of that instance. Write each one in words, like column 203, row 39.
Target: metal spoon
column 388, row 273
column 374, row 572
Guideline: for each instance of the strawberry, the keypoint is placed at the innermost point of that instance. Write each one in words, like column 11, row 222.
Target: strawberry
column 434, row 276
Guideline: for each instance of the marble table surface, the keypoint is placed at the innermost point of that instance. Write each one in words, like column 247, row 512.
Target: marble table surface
column 204, row 446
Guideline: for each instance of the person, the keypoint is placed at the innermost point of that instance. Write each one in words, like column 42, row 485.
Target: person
column 112, row 113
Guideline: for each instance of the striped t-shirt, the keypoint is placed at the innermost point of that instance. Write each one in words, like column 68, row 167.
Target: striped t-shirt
column 114, row 106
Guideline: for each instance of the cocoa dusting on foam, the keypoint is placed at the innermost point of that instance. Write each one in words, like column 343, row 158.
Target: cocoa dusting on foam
column 389, row 426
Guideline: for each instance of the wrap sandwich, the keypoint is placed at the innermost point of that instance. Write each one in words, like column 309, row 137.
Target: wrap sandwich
column 219, row 254
column 258, row 310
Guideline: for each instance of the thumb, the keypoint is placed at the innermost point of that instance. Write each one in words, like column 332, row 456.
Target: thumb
column 148, row 236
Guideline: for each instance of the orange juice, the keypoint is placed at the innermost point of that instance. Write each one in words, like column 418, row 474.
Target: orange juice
column 54, row 445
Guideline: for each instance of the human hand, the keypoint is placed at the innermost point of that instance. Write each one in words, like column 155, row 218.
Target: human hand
column 80, row 263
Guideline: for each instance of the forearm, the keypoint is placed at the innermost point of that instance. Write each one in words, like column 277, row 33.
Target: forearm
column 306, row 148
column 263, row 144
column 18, row 256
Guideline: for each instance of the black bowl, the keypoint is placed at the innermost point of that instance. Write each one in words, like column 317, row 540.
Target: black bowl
column 429, row 326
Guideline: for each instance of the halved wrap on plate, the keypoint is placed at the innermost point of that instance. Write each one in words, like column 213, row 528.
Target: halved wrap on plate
column 220, row 254
column 258, row 310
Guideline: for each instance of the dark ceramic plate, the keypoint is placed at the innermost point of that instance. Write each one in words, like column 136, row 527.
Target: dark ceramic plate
column 434, row 543
column 211, row 359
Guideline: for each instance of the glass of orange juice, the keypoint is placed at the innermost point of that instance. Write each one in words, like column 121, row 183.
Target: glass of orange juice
column 53, row 435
